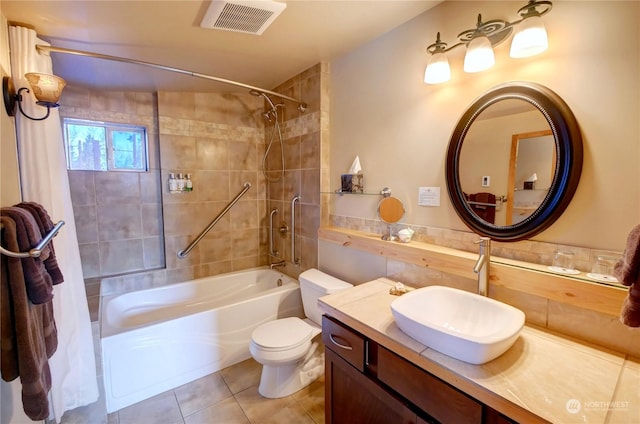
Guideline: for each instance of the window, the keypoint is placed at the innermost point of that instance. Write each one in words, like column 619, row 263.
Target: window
column 101, row 146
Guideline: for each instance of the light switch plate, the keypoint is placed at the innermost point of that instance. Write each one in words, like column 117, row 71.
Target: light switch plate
column 486, row 181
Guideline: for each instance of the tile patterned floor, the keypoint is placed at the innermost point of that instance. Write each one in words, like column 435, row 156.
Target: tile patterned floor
column 229, row 396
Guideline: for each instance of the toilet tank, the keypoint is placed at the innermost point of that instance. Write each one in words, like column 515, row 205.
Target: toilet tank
column 315, row 284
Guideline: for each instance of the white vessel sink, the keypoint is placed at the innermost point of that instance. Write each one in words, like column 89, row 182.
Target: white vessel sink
column 463, row 325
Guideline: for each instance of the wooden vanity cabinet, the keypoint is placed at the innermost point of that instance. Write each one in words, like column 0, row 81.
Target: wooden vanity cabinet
column 367, row 383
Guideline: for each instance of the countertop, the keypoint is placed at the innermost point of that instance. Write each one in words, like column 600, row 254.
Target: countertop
column 544, row 376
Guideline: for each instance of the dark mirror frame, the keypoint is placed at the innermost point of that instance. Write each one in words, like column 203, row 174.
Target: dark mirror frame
column 568, row 145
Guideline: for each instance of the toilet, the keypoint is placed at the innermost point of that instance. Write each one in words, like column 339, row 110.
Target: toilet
column 290, row 358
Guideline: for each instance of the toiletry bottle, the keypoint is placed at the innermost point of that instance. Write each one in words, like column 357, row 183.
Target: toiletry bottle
column 180, row 181
column 188, row 184
column 173, row 183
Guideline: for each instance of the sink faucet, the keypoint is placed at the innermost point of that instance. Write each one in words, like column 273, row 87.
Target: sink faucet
column 279, row 263
column 482, row 265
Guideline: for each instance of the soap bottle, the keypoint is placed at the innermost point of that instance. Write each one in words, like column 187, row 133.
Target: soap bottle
column 180, row 181
column 173, row 183
column 188, row 184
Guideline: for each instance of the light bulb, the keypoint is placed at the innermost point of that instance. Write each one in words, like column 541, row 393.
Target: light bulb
column 479, row 55
column 531, row 38
column 438, row 70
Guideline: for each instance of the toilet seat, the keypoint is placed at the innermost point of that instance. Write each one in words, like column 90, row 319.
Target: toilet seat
column 282, row 334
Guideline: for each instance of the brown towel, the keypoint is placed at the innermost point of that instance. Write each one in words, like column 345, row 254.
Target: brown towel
column 487, row 213
column 28, row 335
column 38, row 282
column 627, row 270
column 45, row 224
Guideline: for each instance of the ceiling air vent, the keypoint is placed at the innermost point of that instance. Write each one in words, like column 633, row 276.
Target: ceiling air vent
column 251, row 17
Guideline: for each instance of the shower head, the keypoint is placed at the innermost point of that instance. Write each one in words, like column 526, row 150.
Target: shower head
column 273, row 111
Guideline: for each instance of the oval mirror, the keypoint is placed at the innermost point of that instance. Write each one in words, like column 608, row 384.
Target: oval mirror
column 514, row 161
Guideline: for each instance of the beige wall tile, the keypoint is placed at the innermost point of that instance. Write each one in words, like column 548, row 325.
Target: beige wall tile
column 309, row 220
column 121, row 187
column 245, row 243
column 176, row 105
column 153, row 252
column 593, row 326
column 291, row 152
column 244, row 215
column 151, row 219
column 212, row 154
column 211, row 185
column 534, row 307
column 216, row 249
column 86, row 219
column 311, row 186
column 310, row 150
column 210, row 107
column 177, row 153
column 243, row 156
column 121, row 256
column 119, row 221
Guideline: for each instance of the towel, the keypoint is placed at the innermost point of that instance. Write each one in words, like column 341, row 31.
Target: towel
column 39, row 284
column 45, row 224
column 28, row 335
column 487, row 213
column 627, row 270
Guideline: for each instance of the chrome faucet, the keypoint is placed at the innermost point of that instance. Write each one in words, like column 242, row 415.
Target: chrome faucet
column 482, row 265
column 282, row 263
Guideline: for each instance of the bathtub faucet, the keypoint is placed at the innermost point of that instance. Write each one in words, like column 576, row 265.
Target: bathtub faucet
column 282, row 263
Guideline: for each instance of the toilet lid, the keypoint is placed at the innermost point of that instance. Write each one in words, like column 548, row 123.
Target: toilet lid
column 282, row 333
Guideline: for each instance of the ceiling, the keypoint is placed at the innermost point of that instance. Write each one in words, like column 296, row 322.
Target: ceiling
column 169, row 33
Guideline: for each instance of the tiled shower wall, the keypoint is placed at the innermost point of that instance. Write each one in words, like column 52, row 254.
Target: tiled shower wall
column 306, row 156
column 215, row 137
column 218, row 139
column 118, row 214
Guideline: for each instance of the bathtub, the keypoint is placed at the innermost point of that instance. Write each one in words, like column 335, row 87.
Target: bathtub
column 157, row 339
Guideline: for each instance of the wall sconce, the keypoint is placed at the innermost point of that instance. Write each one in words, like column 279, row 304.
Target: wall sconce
column 530, row 39
column 46, row 87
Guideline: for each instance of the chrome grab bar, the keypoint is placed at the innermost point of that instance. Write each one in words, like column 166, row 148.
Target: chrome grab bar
column 272, row 252
column 293, row 229
column 183, row 253
column 36, row 251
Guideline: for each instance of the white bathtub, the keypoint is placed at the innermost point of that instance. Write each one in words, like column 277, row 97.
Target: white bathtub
column 158, row 339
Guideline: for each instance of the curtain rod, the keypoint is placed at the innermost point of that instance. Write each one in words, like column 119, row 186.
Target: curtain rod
column 42, row 48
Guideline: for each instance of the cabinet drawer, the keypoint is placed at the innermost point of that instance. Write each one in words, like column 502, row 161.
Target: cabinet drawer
column 430, row 394
column 348, row 344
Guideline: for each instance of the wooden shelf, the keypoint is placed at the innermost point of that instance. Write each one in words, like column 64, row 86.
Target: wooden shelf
column 514, row 275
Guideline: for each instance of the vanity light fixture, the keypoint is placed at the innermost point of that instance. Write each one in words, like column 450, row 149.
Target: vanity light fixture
column 530, row 39
column 47, row 89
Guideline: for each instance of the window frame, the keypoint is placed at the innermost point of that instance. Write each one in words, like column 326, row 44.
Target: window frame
column 109, row 129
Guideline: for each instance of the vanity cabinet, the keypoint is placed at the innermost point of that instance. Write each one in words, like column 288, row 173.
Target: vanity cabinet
column 367, row 383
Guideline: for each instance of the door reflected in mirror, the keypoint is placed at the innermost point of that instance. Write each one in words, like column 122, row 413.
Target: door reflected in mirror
column 499, row 149
column 532, row 166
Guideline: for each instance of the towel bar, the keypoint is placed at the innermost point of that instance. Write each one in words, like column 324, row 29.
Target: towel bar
column 36, row 251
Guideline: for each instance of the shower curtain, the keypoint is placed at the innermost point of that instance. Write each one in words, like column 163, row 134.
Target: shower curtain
column 43, row 177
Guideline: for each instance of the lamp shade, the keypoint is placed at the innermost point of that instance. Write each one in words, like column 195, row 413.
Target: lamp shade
column 530, row 39
column 46, row 87
column 438, row 69
column 479, row 55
